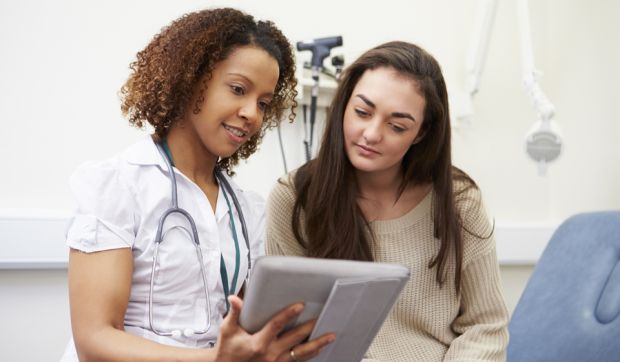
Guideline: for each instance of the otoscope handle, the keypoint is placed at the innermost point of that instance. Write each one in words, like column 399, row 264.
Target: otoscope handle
column 320, row 48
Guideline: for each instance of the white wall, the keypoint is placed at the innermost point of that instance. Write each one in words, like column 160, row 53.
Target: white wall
column 62, row 63
column 34, row 310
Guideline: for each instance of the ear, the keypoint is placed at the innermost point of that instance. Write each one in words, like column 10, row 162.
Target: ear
column 419, row 137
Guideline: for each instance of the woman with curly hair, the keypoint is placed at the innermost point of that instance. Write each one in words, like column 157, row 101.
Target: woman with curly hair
column 148, row 284
column 383, row 188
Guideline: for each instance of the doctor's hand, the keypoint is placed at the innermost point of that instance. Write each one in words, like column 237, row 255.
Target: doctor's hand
column 235, row 344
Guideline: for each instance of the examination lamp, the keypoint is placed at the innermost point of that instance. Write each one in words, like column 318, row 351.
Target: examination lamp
column 543, row 143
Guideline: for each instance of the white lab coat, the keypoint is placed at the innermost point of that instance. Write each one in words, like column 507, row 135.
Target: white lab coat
column 120, row 202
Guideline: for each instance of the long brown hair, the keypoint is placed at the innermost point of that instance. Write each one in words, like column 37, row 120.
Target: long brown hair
column 333, row 225
column 165, row 73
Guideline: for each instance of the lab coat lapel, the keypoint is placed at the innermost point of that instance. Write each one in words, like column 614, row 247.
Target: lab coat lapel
column 145, row 153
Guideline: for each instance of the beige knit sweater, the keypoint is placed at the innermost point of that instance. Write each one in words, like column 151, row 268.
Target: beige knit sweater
column 428, row 323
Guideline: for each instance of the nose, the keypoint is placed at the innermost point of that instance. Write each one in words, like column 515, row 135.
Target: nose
column 372, row 133
column 249, row 111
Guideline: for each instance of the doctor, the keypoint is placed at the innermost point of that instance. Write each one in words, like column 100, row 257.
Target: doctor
column 162, row 238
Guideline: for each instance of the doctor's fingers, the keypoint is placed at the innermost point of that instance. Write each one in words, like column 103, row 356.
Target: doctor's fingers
column 270, row 331
column 308, row 350
column 296, row 335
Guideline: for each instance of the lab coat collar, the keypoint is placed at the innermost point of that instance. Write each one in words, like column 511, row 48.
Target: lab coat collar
column 145, row 153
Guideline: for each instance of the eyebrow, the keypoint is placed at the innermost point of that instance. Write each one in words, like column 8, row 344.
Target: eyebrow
column 270, row 94
column 394, row 114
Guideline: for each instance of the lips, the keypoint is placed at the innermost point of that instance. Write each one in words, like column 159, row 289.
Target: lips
column 235, row 131
column 235, row 134
column 366, row 150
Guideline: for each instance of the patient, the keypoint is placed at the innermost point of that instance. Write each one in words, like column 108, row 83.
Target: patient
column 383, row 188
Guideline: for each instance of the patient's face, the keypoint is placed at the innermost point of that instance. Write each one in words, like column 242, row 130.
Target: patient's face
column 382, row 120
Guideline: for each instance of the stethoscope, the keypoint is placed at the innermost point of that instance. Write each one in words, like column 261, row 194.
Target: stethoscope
column 159, row 236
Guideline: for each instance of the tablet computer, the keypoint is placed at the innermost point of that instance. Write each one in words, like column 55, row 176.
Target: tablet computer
column 349, row 298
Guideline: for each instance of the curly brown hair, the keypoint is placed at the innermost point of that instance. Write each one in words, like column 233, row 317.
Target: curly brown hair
column 164, row 74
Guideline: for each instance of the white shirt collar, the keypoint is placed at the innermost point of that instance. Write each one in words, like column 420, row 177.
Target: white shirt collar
column 145, row 153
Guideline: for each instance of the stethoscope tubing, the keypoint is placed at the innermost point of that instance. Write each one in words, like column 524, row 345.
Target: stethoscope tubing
column 174, row 208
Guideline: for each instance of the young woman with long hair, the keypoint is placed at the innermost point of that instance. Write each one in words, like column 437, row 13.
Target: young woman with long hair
column 383, row 188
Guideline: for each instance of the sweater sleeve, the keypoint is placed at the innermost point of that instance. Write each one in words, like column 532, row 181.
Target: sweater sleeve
column 482, row 323
column 279, row 237
column 483, row 319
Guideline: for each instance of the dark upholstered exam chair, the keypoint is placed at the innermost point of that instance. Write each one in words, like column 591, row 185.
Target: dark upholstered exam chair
column 570, row 308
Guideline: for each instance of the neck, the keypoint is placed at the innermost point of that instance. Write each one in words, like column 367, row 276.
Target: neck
column 380, row 186
column 190, row 155
column 379, row 194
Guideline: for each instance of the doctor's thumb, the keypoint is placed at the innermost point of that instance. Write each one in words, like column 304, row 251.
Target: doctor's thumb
column 235, row 309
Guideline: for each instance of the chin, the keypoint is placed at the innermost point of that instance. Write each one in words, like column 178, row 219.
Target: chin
column 364, row 166
column 227, row 154
column 224, row 152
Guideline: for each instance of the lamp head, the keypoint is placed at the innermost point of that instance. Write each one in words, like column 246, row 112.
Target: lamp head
column 543, row 144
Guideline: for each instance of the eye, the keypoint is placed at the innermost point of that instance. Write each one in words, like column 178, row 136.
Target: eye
column 396, row 128
column 237, row 89
column 362, row 113
column 262, row 105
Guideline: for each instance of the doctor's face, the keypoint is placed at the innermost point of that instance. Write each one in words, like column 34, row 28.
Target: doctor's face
column 234, row 101
column 382, row 120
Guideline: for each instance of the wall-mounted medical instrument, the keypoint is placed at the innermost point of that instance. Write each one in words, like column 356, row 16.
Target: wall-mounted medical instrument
column 338, row 63
column 461, row 103
column 543, row 143
column 320, row 49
